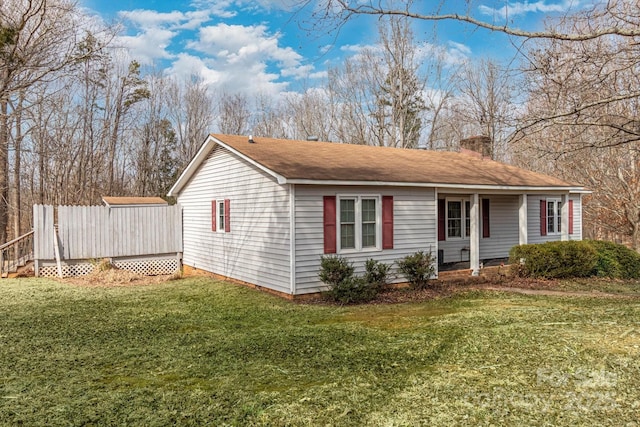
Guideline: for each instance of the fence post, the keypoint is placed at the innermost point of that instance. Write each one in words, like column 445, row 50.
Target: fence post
column 56, row 250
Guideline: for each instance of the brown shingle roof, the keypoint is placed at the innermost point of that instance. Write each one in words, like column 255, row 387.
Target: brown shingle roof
column 118, row 201
column 322, row 161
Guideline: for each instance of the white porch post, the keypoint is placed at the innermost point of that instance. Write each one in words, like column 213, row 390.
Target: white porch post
column 564, row 222
column 474, row 239
column 522, row 220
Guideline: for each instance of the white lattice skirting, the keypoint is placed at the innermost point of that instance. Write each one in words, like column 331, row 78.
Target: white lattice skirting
column 145, row 267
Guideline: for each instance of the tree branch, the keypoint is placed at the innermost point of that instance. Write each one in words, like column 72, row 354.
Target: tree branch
column 346, row 9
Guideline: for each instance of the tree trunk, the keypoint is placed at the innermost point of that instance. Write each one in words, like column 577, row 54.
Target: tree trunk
column 17, row 169
column 4, row 169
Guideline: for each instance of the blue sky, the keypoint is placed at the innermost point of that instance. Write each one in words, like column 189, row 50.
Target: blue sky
column 265, row 46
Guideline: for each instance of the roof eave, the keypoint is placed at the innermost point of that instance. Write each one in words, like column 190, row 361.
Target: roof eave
column 479, row 187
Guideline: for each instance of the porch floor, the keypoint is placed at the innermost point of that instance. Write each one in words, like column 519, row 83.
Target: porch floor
column 465, row 265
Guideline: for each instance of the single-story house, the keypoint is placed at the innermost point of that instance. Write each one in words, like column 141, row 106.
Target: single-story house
column 263, row 210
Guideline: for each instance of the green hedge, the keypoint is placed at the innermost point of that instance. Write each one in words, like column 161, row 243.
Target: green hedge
column 554, row 259
column 616, row 261
column 575, row 259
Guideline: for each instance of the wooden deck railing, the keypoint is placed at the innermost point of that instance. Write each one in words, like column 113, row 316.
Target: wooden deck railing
column 16, row 253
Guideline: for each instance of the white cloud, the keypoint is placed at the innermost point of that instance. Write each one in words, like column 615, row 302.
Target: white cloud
column 147, row 19
column 451, row 54
column 250, row 58
column 187, row 65
column 149, row 45
column 150, row 18
column 459, row 47
column 319, row 75
column 511, row 10
column 157, row 31
column 244, row 58
column 298, row 72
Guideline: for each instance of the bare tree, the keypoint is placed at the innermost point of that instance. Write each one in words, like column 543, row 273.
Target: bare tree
column 234, row 117
column 486, row 103
column 191, row 111
column 37, row 40
column 128, row 88
column 269, row 119
column 439, row 96
column 309, row 114
column 399, row 101
column 379, row 91
column 351, row 94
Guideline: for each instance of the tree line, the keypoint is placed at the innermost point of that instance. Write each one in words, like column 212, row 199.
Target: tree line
column 80, row 119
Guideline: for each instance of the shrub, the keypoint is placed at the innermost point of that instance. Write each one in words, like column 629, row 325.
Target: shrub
column 554, row 259
column 334, row 269
column 353, row 289
column 615, row 261
column 418, row 268
column 377, row 273
column 344, row 287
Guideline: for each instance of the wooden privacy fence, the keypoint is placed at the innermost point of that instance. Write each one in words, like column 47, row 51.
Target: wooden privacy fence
column 146, row 240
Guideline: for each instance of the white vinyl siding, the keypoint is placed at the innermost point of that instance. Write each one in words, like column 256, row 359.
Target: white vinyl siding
column 503, row 226
column 414, row 227
column 577, row 217
column 533, row 219
column 257, row 248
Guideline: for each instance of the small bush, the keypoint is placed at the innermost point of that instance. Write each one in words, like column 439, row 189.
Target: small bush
column 352, row 290
column 377, row 273
column 615, row 261
column 418, row 268
column 554, row 259
column 344, row 287
column 334, row 269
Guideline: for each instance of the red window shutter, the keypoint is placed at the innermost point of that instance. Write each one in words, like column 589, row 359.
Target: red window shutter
column 387, row 222
column 543, row 217
column 570, row 216
column 213, row 215
column 486, row 232
column 227, row 216
column 329, row 221
column 442, row 216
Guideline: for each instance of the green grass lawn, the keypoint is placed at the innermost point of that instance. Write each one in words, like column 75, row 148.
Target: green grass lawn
column 196, row 351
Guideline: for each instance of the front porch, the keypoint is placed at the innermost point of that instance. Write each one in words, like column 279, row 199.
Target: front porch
column 477, row 230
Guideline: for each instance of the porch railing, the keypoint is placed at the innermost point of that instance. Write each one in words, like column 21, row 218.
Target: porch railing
column 16, row 253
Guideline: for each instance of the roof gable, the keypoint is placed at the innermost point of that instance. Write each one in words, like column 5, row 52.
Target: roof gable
column 322, row 162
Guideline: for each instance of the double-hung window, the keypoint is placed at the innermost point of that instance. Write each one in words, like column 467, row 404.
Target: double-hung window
column 454, row 218
column 359, row 222
column 220, row 213
column 458, row 218
column 347, row 223
column 220, row 216
column 554, row 216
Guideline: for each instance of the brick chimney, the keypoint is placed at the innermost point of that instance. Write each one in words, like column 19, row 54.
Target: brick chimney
column 477, row 146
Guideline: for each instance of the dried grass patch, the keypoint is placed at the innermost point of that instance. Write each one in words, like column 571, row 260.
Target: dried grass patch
column 113, row 277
